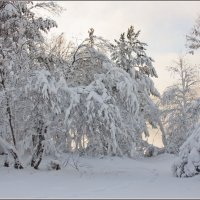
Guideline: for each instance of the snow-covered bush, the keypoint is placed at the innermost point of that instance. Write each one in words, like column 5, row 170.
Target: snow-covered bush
column 53, row 165
column 188, row 162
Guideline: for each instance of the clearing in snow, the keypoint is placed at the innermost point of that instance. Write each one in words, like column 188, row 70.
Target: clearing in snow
column 108, row 177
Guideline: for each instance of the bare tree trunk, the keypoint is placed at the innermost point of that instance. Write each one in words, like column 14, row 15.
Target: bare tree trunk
column 10, row 121
column 68, row 142
column 163, row 133
column 37, row 156
column 11, row 150
column 8, row 109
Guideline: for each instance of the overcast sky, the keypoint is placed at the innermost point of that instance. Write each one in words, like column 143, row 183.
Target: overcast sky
column 163, row 26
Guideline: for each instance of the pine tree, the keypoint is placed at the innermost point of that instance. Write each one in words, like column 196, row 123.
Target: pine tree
column 130, row 55
column 193, row 39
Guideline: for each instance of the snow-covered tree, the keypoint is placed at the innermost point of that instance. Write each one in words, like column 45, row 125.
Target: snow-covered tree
column 20, row 52
column 109, row 107
column 188, row 162
column 95, row 118
column 129, row 53
column 176, row 100
column 60, row 47
column 193, row 39
column 54, row 101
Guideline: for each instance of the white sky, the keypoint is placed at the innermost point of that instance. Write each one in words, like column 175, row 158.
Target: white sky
column 163, row 26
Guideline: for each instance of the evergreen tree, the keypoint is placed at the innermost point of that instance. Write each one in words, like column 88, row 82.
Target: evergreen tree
column 129, row 53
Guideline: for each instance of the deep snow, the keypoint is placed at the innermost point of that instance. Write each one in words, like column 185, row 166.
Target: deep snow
column 109, row 177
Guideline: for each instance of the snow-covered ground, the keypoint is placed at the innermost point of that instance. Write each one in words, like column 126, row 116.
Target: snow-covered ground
column 101, row 178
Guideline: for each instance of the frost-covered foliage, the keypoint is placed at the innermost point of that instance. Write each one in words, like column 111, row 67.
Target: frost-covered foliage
column 129, row 54
column 178, row 108
column 105, row 117
column 188, row 162
column 20, row 54
column 109, row 107
column 56, row 98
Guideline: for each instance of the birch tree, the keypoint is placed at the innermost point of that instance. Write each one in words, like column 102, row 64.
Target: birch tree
column 177, row 100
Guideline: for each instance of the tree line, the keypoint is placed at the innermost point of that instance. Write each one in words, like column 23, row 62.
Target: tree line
column 94, row 98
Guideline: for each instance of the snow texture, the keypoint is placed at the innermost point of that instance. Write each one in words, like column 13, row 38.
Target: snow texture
column 100, row 178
